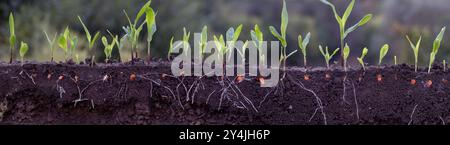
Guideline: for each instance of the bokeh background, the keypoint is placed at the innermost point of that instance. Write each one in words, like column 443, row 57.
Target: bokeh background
column 393, row 19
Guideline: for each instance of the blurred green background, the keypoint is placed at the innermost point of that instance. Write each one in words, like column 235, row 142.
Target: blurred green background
column 393, row 19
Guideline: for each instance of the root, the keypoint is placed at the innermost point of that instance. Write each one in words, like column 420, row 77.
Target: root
column 209, row 96
column 265, row 97
column 356, row 102
column 318, row 100
column 242, row 94
column 29, row 76
column 165, row 87
column 411, row 117
column 442, row 119
column 344, row 92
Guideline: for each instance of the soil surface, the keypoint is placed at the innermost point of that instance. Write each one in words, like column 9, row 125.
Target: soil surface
column 140, row 94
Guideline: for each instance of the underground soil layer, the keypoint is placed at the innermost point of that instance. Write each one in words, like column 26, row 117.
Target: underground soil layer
column 149, row 94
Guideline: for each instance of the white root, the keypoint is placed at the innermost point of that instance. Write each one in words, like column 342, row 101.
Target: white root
column 411, row 117
column 356, row 102
column 318, row 100
column 165, row 87
column 29, row 76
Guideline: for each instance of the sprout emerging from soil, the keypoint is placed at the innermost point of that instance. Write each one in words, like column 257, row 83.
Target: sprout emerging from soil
column 436, row 46
column 203, row 40
column 133, row 30
column 67, row 43
column 383, row 51
column 170, row 48
column 91, row 40
column 395, row 60
column 302, row 44
column 326, row 54
column 257, row 37
column 415, row 48
column 282, row 37
column 51, row 42
column 342, row 21
column 108, row 47
column 186, row 38
column 346, row 55
column 23, row 50
column 444, row 65
column 12, row 37
column 361, row 59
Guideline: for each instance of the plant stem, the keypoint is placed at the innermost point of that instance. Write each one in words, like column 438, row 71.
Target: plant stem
column 148, row 52
column 11, row 55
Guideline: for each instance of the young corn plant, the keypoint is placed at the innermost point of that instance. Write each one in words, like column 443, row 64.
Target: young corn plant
column 118, row 43
column 108, row 47
column 91, row 40
column 415, row 49
column 361, row 59
column 67, row 43
column 326, row 54
column 303, row 43
column 203, row 40
column 133, row 30
column 23, row 51
column 282, row 37
column 51, row 42
column 12, row 37
column 346, row 55
column 151, row 28
column 170, row 48
column 186, row 38
column 436, row 46
column 257, row 37
column 232, row 35
column 342, row 21
column 383, row 52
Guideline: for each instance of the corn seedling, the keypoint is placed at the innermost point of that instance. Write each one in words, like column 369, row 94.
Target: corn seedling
column 346, row 55
column 186, row 38
column 257, row 37
column 436, row 46
column 416, row 50
column 151, row 28
column 383, row 51
column 108, row 47
column 170, row 48
column 203, row 40
column 51, row 42
column 118, row 43
column 67, row 42
column 282, row 37
column 232, row 36
column 326, row 54
column 22, row 51
column 361, row 59
column 302, row 44
column 12, row 37
column 342, row 21
column 133, row 30
column 91, row 40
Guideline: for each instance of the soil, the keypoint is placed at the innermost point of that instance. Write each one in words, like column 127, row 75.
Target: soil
column 148, row 94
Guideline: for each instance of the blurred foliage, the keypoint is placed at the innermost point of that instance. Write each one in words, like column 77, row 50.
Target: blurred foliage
column 393, row 19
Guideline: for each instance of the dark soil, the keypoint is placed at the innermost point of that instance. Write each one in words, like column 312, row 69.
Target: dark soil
column 139, row 94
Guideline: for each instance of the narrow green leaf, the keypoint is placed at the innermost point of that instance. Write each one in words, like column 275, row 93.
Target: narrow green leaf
column 348, row 11
column 438, row 40
column 86, row 30
column 335, row 52
column 151, row 23
column 230, row 34
column 142, row 11
column 11, row 24
column 365, row 20
column 96, row 37
column 237, row 33
column 277, row 35
column 306, row 40
column 336, row 15
column 284, row 20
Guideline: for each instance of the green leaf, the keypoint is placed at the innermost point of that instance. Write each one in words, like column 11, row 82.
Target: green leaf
column 237, row 33
column 96, row 37
column 383, row 51
column 362, row 22
column 151, row 23
column 364, row 53
column 278, row 36
column 62, row 43
column 346, row 52
column 438, row 40
column 23, row 49
column 306, row 40
column 11, row 24
column 348, row 11
column 12, row 40
column 230, row 34
column 284, row 20
column 335, row 52
column 170, row 47
column 322, row 52
column 204, row 35
column 142, row 11
column 336, row 15
column 86, row 30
